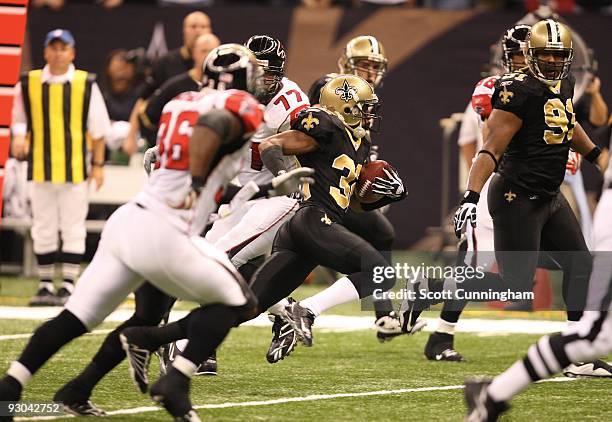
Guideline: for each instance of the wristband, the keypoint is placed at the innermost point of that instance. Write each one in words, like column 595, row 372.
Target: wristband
column 197, row 183
column 97, row 163
column 592, row 156
column 471, row 197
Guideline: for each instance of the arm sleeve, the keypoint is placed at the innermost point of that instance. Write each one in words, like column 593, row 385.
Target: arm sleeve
column 98, row 122
column 510, row 97
column 19, row 120
column 317, row 124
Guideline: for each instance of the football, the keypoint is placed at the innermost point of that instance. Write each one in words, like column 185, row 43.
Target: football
column 369, row 172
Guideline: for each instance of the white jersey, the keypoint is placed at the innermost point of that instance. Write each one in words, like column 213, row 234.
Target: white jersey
column 170, row 184
column 280, row 111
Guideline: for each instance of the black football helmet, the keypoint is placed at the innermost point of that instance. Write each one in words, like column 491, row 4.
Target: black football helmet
column 233, row 66
column 513, row 43
column 271, row 57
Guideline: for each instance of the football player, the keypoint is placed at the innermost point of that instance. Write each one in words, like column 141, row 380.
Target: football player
column 363, row 56
column 533, row 126
column 176, row 201
column 330, row 138
column 246, row 233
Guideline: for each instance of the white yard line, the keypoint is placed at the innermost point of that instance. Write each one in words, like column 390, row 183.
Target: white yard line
column 326, row 322
column 313, row 397
column 20, row 336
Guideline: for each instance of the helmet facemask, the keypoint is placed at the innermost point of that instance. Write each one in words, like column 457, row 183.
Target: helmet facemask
column 550, row 72
column 271, row 57
column 513, row 44
column 365, row 67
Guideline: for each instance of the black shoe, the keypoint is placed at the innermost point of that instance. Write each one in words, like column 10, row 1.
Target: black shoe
column 209, row 366
column 520, row 306
column 61, row 297
column 76, row 401
column 172, row 392
column 284, row 339
column 44, row 297
column 166, row 355
column 440, row 347
column 390, row 326
column 595, row 369
column 10, row 390
column 481, row 407
column 138, row 350
column 301, row 319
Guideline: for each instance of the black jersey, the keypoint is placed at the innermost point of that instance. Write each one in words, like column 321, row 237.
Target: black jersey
column 314, row 93
column 537, row 154
column 337, row 162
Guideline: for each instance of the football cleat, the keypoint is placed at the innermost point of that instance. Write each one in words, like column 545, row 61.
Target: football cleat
column 62, row 296
column 481, row 407
column 301, row 319
column 83, row 409
column 439, row 347
column 390, row 326
column 76, row 401
column 209, row 366
column 172, row 392
column 284, row 338
column 595, row 369
column 138, row 357
column 44, row 297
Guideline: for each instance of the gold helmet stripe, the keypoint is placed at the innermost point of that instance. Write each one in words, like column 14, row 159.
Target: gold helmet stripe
column 374, row 42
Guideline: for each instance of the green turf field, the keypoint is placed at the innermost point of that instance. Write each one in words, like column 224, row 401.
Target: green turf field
column 348, row 364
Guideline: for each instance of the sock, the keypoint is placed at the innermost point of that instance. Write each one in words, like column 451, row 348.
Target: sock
column 279, row 307
column 46, row 270
column 382, row 307
column 573, row 316
column 71, row 267
column 185, row 366
column 509, row 383
column 68, row 285
column 446, row 327
column 49, row 338
column 207, row 328
column 342, row 291
column 18, row 371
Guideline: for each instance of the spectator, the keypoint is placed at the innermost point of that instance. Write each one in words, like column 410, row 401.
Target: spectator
column 121, row 90
column 148, row 118
column 50, row 124
column 179, row 60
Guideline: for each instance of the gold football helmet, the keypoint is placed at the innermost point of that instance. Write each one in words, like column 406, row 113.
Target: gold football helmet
column 354, row 100
column 366, row 55
column 549, row 51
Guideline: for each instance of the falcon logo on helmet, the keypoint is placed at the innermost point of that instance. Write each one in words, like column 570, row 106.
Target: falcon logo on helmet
column 233, row 66
column 513, row 44
column 271, row 56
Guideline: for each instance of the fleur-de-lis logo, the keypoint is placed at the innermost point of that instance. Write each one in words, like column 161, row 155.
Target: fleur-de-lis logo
column 510, row 196
column 506, row 95
column 325, row 219
column 346, row 92
column 309, row 122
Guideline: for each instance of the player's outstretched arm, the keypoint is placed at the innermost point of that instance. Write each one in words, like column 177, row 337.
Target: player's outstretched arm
column 291, row 142
column 501, row 127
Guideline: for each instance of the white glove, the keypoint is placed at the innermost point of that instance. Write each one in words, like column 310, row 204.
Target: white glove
column 392, row 187
column 466, row 212
column 150, row 158
column 292, row 181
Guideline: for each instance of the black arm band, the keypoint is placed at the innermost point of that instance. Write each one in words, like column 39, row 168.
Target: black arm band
column 272, row 157
column 592, row 156
column 197, row 183
column 221, row 122
column 490, row 154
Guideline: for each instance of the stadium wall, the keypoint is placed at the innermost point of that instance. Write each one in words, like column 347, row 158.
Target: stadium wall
column 435, row 59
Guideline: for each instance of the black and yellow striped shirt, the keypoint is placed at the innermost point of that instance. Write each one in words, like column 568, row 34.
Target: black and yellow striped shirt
column 57, row 124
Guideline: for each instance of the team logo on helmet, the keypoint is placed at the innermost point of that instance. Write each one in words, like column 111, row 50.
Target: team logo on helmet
column 346, row 91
